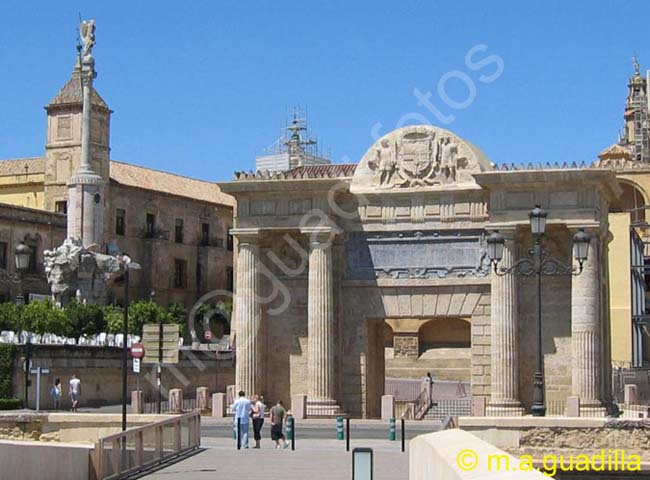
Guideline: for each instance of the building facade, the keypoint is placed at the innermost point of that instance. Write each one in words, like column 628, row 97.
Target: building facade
column 337, row 261
column 175, row 227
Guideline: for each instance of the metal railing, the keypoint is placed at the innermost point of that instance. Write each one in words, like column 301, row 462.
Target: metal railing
column 139, row 448
column 418, row 408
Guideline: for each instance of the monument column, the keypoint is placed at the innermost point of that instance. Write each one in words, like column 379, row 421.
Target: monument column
column 503, row 329
column 248, row 368
column 86, row 187
column 585, row 331
column 320, row 324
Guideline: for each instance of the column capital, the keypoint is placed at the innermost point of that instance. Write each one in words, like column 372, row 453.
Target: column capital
column 321, row 234
column 246, row 235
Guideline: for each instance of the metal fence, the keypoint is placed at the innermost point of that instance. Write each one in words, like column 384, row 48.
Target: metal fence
column 445, row 407
column 139, row 448
column 151, row 406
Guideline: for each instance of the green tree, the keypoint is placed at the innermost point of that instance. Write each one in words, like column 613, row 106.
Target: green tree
column 84, row 319
column 9, row 316
column 143, row 312
column 44, row 317
column 114, row 319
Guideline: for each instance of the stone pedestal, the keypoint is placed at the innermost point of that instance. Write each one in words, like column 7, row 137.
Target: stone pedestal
column 478, row 407
column 631, row 395
column 137, row 401
column 247, row 316
column 176, row 400
column 572, row 407
column 387, row 407
column 202, row 399
column 585, row 333
column 320, row 328
column 218, row 405
column 299, row 406
column 503, row 330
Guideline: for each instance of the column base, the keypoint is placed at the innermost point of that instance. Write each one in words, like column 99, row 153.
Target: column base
column 322, row 407
column 505, row 408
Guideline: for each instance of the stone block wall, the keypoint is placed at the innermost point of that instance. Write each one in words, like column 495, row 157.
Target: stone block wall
column 100, row 372
column 481, row 348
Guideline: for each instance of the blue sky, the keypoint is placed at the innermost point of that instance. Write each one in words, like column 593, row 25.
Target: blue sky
column 201, row 87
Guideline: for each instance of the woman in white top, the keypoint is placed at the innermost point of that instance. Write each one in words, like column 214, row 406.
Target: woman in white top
column 258, row 418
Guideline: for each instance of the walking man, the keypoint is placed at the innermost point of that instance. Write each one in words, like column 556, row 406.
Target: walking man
column 258, row 419
column 242, row 408
column 74, row 391
column 277, row 424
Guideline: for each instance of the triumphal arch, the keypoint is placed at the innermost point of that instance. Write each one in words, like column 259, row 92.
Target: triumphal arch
column 337, row 262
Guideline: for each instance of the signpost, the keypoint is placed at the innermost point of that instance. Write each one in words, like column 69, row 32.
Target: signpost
column 38, row 371
column 160, row 347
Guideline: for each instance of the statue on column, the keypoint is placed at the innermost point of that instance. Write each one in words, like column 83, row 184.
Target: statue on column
column 87, row 34
column 75, row 271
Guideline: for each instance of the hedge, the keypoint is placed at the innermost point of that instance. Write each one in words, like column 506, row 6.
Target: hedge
column 10, row 403
column 7, row 355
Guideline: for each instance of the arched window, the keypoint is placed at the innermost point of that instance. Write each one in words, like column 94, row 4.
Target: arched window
column 632, row 201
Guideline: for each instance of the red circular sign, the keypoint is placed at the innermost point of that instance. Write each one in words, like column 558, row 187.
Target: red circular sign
column 137, row 350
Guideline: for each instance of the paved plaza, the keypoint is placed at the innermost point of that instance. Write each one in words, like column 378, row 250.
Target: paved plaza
column 313, row 459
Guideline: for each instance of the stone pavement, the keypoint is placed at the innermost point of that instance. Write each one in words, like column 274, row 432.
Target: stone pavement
column 312, row 459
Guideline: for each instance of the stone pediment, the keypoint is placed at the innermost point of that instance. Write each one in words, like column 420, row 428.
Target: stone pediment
column 419, row 157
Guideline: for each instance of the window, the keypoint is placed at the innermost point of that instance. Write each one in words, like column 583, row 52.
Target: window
column 151, row 225
column 205, row 234
column 31, row 268
column 230, row 279
column 61, row 206
column 180, row 270
column 3, row 255
column 229, row 241
column 178, row 231
column 199, row 276
column 120, row 221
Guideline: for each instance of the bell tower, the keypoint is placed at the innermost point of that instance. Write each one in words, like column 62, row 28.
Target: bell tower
column 64, row 137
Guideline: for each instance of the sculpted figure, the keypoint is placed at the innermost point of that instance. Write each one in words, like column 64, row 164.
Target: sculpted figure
column 87, row 34
column 448, row 165
column 386, row 162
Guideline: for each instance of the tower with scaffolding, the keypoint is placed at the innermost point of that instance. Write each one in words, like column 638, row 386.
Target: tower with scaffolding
column 636, row 135
column 294, row 148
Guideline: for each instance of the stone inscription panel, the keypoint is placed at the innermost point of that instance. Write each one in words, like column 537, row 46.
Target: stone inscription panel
column 415, row 255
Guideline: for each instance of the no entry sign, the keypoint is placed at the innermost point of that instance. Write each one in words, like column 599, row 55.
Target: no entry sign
column 137, row 350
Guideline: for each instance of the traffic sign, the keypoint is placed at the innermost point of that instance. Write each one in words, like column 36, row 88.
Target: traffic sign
column 137, row 350
column 151, row 340
column 136, row 365
column 207, row 335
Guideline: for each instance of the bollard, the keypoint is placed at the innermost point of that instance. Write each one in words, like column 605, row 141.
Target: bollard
column 339, row 428
column 293, row 436
column 391, row 430
column 239, row 434
column 403, row 443
column 347, row 434
column 288, row 427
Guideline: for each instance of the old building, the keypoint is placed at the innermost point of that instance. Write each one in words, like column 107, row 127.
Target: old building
column 336, row 261
column 175, row 227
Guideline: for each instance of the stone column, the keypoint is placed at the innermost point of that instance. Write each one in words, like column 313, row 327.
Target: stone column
column 248, row 366
column 503, row 330
column 585, row 332
column 320, row 326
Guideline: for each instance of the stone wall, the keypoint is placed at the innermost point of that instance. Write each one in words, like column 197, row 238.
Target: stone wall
column 100, row 372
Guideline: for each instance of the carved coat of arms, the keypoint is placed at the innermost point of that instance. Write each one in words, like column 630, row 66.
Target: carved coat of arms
column 416, row 159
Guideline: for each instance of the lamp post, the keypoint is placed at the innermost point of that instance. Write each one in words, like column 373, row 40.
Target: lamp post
column 538, row 264
column 127, row 265
column 22, row 256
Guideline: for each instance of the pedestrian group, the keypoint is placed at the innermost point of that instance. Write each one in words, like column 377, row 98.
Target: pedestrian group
column 254, row 409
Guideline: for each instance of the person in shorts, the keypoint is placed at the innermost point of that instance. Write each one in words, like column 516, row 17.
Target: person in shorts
column 74, row 391
column 277, row 418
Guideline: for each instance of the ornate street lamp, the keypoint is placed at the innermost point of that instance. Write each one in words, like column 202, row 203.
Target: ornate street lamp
column 127, row 264
column 537, row 264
